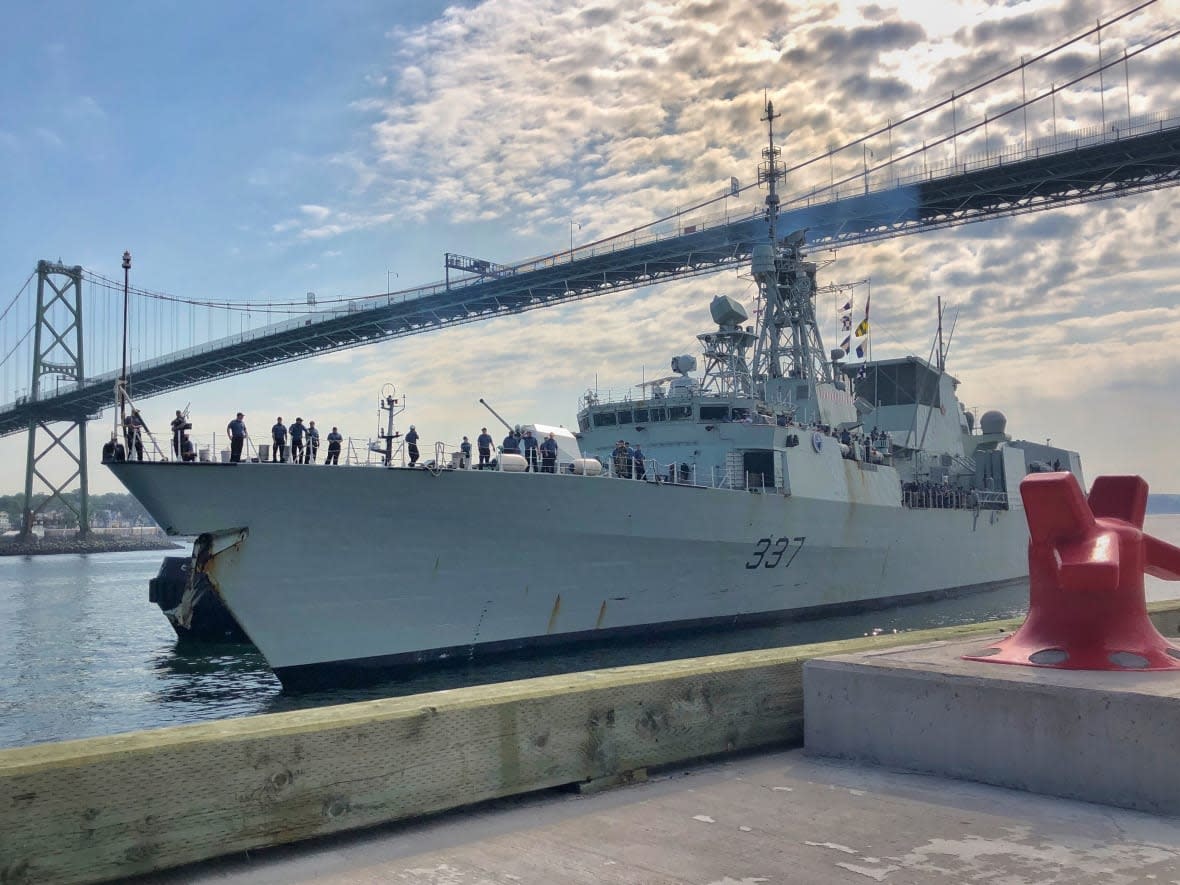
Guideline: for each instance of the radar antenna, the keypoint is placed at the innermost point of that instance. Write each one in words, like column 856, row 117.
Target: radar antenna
column 789, row 343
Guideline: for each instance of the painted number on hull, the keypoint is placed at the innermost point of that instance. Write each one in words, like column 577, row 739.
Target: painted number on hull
column 769, row 552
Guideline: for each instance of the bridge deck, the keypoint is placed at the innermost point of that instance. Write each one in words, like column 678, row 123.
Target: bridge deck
column 1097, row 165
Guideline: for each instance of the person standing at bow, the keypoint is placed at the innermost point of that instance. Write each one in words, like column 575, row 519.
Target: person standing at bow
column 237, row 437
column 549, row 455
column 278, row 436
column 412, row 445
column 313, row 443
column 484, row 443
column 298, row 430
column 334, row 441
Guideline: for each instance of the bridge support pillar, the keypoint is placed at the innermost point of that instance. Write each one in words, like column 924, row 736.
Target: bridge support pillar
column 57, row 351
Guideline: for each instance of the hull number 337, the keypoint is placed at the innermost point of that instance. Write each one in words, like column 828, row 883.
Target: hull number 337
column 775, row 552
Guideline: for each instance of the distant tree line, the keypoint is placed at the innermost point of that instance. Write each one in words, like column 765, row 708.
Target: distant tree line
column 113, row 508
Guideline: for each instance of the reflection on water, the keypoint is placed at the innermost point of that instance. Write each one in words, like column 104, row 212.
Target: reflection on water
column 83, row 653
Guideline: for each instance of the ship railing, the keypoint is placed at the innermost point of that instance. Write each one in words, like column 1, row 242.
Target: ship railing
column 928, row 496
column 989, row 500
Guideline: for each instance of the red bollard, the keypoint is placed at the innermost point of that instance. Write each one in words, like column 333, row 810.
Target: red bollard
column 1086, row 560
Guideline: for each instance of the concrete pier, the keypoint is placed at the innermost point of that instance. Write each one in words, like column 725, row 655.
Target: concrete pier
column 1098, row 736
column 780, row 817
column 110, row 808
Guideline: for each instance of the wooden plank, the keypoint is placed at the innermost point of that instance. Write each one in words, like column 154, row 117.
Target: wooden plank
column 111, row 807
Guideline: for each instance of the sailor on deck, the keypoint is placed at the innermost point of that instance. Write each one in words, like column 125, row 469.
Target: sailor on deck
column 412, row 445
column 484, row 443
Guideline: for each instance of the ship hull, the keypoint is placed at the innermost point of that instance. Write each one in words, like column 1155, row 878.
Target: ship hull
column 359, row 568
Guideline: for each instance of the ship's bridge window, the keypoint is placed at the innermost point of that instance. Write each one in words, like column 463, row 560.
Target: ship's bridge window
column 903, row 384
column 680, row 413
column 625, row 417
column 604, row 419
column 714, row 413
column 641, row 415
column 583, row 423
column 659, row 415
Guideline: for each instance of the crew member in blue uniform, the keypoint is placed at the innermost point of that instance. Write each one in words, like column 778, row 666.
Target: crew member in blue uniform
column 334, row 441
column 484, row 443
column 298, row 430
column 133, row 427
column 278, row 436
column 237, row 437
column 530, row 450
column 412, row 445
column 313, row 443
column 548, row 454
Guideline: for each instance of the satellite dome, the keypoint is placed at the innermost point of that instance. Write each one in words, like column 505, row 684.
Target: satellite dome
column 993, row 422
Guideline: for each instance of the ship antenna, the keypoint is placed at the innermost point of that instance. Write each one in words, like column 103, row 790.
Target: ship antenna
column 941, row 352
column 771, row 171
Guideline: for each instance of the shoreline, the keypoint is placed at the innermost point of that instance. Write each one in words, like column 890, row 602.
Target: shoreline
column 93, row 544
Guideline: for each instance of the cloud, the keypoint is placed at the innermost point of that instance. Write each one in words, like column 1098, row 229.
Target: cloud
column 318, row 213
column 49, row 137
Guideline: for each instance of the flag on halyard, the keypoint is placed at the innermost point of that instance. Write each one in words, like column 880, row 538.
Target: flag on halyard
column 845, row 344
column 863, row 328
column 847, row 306
column 862, row 373
column 846, row 323
column 860, row 350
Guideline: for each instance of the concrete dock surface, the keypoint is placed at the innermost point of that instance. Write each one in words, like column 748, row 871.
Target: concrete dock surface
column 766, row 818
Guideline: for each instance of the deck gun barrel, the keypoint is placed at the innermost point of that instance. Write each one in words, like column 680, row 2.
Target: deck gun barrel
column 483, row 403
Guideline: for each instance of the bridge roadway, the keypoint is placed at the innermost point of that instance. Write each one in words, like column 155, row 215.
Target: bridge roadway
column 1121, row 159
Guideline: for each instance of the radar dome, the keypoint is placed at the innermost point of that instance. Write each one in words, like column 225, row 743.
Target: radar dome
column 684, row 363
column 993, row 422
column 727, row 311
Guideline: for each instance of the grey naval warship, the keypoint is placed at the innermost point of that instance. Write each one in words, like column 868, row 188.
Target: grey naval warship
column 783, row 481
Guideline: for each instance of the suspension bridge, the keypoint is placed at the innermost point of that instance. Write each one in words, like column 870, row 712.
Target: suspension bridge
column 1006, row 151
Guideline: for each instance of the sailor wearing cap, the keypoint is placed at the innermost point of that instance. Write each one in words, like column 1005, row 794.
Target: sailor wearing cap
column 511, row 444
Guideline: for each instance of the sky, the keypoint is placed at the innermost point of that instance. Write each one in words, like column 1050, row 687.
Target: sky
column 256, row 152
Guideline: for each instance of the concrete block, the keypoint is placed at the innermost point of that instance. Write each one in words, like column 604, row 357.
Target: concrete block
column 1105, row 737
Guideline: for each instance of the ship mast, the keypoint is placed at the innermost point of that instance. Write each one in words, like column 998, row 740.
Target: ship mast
column 789, row 344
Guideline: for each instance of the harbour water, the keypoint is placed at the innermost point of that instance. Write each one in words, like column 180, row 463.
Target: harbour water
column 83, row 653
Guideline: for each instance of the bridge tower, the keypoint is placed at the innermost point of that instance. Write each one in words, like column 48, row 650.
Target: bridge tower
column 57, row 351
